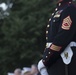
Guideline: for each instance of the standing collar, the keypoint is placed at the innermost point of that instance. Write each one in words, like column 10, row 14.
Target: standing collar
column 62, row 3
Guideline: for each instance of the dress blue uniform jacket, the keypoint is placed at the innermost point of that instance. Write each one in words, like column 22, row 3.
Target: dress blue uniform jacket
column 60, row 31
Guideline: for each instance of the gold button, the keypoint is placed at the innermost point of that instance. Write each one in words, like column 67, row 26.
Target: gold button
column 52, row 14
column 59, row 4
column 50, row 19
column 46, row 56
column 49, row 52
column 70, row 2
column 43, row 60
column 56, row 9
column 46, row 38
column 53, row 20
column 48, row 25
column 46, row 32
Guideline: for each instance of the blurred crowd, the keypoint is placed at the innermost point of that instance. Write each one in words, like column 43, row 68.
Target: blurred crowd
column 33, row 70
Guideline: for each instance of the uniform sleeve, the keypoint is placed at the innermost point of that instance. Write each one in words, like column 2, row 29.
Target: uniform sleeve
column 67, row 30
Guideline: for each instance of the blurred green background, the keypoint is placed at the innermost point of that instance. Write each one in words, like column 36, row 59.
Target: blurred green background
column 22, row 34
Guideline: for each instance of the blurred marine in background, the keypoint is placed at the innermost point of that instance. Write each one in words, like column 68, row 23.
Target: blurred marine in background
column 17, row 71
column 60, row 53
column 34, row 70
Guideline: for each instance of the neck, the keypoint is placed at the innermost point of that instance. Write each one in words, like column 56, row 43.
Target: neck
column 63, row 2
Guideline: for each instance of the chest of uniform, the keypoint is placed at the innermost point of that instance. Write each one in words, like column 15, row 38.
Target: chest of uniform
column 55, row 19
column 54, row 22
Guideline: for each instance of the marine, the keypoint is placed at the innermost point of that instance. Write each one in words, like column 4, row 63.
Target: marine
column 60, row 37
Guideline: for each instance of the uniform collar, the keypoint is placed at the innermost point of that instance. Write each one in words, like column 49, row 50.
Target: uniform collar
column 62, row 3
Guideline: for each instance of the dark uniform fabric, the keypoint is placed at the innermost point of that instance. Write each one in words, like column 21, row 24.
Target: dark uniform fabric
column 60, row 31
column 59, row 68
